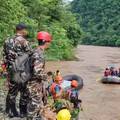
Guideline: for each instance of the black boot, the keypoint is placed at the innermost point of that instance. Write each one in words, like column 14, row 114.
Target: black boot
column 7, row 109
column 23, row 111
column 7, row 106
column 10, row 109
column 13, row 111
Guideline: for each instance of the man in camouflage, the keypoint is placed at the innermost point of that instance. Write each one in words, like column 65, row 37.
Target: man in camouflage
column 37, row 86
column 14, row 47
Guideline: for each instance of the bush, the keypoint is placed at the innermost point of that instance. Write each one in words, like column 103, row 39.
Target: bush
column 61, row 48
column 118, row 43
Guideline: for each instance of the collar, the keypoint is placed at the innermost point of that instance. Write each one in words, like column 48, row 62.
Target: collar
column 18, row 34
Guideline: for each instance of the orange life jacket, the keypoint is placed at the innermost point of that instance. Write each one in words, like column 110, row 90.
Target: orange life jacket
column 52, row 90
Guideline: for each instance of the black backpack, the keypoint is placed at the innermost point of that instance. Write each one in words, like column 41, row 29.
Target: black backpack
column 22, row 69
column 20, row 66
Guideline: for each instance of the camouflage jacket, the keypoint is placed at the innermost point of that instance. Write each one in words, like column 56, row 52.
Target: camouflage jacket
column 38, row 65
column 36, row 87
column 14, row 47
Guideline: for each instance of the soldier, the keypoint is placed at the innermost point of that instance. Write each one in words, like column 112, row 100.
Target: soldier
column 37, row 86
column 13, row 48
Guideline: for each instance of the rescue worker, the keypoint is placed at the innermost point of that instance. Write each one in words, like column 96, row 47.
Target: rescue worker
column 113, row 71
column 55, row 88
column 14, row 47
column 116, row 72
column 119, row 72
column 107, row 72
column 73, row 94
column 37, row 87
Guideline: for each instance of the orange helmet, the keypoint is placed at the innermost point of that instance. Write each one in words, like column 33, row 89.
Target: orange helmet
column 74, row 83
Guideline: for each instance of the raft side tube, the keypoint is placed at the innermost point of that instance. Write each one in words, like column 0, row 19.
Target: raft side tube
column 111, row 80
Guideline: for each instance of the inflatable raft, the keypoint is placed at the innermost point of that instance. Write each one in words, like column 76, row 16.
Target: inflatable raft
column 69, row 78
column 111, row 80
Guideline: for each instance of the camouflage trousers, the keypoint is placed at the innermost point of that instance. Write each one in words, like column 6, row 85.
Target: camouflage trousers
column 37, row 100
column 14, row 89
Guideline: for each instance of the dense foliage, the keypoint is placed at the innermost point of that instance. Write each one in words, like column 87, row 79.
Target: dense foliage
column 100, row 20
column 46, row 15
column 52, row 16
column 11, row 13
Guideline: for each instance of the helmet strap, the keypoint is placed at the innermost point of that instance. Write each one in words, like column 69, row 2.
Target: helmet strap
column 41, row 42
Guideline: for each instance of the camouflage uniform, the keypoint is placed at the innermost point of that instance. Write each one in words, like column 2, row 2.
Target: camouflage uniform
column 19, row 45
column 37, row 88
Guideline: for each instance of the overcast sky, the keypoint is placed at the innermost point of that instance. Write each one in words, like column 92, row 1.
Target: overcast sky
column 68, row 0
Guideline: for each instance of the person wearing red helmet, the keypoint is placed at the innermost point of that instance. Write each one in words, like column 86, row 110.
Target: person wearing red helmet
column 37, row 86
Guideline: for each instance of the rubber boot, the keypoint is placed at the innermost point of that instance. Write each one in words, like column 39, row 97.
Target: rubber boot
column 23, row 111
column 13, row 112
column 7, row 108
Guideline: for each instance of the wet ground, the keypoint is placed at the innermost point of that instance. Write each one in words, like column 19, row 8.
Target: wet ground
column 100, row 102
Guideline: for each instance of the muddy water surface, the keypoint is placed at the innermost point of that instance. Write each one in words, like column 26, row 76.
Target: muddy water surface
column 100, row 102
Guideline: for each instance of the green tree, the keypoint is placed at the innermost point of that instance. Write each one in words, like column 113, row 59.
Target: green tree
column 42, row 15
column 52, row 16
column 48, row 12
column 99, row 19
column 11, row 13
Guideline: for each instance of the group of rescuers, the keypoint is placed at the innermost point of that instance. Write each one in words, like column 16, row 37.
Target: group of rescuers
column 33, row 93
column 112, row 71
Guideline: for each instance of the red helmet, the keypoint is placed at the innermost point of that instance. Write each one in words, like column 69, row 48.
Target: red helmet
column 44, row 36
column 74, row 83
